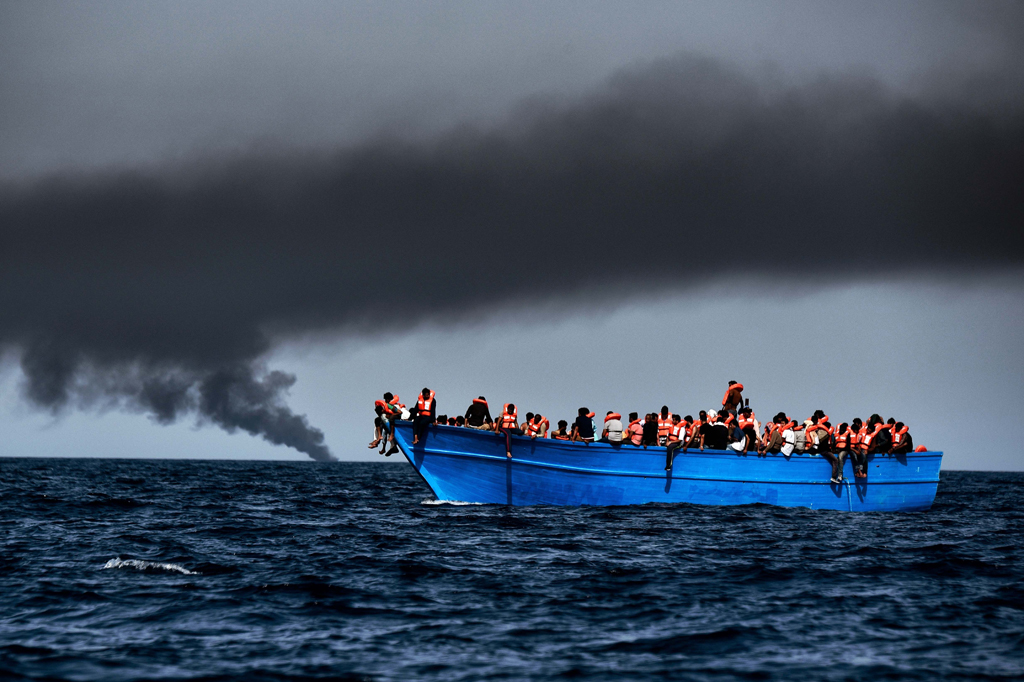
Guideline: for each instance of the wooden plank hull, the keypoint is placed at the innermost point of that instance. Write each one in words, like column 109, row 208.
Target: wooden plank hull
column 460, row 464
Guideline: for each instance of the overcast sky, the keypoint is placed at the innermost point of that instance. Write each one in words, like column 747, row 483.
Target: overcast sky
column 616, row 205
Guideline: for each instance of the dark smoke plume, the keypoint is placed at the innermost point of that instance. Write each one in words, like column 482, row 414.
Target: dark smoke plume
column 160, row 290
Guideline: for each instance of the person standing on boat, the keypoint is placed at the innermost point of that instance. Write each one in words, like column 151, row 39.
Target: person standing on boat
column 583, row 427
column 732, row 399
column 612, row 432
column 426, row 410
column 478, row 416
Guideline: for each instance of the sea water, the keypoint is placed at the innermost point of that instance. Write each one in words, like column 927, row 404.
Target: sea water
column 135, row 569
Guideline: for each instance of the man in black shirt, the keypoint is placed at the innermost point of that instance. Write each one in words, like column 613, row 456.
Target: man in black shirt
column 714, row 436
column 478, row 416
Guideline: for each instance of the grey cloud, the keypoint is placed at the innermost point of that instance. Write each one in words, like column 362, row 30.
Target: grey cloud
column 667, row 176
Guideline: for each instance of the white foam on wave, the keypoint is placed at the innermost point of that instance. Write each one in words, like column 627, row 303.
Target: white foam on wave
column 147, row 565
column 454, row 503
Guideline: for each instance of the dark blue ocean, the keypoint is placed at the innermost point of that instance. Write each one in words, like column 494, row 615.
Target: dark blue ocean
column 164, row 570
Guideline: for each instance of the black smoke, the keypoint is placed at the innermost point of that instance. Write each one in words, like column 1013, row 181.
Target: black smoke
column 159, row 290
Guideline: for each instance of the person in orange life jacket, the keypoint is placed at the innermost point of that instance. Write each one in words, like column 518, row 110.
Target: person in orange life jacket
column 383, row 423
column 538, row 426
column 858, row 453
column 843, row 446
column 676, row 440
column 902, row 442
column 525, row 428
column 664, row 424
column 508, row 423
column 478, row 415
column 583, row 427
column 773, row 440
column 879, row 437
column 635, row 431
column 612, row 430
column 693, row 440
column 733, row 398
column 748, row 427
column 819, row 443
column 426, row 409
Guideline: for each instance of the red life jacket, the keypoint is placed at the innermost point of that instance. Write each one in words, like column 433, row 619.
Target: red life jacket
column 745, row 422
column 613, row 415
column 480, row 402
column 509, row 421
column 560, row 436
column 426, row 405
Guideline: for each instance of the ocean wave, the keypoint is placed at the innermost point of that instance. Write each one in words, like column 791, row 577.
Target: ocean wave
column 454, row 503
column 118, row 562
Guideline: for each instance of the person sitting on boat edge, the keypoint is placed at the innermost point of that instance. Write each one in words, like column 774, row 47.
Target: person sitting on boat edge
column 819, row 442
column 460, row 421
column 478, row 415
column 508, row 424
column 583, row 427
column 748, row 425
column 426, row 408
column 650, row 433
column 902, row 441
column 693, row 439
column 676, row 440
column 612, row 431
column 635, row 431
column 664, row 424
column 562, row 432
column 538, row 426
column 773, row 441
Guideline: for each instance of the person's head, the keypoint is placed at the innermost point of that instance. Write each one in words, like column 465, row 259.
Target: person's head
column 891, row 421
column 746, row 411
column 482, row 398
column 538, row 418
column 425, row 393
column 633, row 416
column 731, row 383
column 511, row 408
column 609, row 412
column 664, row 411
column 676, row 419
column 378, row 409
column 703, row 415
column 899, row 425
column 688, row 419
column 843, row 428
column 583, row 412
column 562, row 424
column 818, row 414
column 856, row 423
column 460, row 421
column 874, row 419
column 529, row 416
column 452, row 421
column 388, row 397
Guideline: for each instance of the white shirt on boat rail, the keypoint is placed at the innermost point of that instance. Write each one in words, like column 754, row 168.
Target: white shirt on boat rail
column 790, row 437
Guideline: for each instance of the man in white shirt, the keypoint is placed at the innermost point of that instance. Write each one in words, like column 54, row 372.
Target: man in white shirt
column 789, row 435
column 612, row 432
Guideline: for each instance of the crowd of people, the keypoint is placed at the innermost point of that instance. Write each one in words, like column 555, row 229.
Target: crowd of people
column 731, row 427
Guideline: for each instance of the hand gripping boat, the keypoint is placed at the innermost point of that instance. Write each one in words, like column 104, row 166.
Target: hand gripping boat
column 462, row 464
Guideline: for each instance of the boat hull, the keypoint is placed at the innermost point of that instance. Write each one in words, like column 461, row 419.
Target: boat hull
column 460, row 464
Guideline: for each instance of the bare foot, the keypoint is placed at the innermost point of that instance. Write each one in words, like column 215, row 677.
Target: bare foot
column 374, row 443
column 509, row 455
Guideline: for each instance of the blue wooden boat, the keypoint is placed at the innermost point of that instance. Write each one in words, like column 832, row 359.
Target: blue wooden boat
column 461, row 464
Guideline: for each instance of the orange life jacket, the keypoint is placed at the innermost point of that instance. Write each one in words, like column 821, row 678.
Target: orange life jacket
column 634, row 436
column 868, row 437
column 664, row 426
column 897, row 436
column 920, row 448
column 535, row 427
column 677, row 432
column 746, row 422
column 613, row 415
column 734, row 387
column 509, row 421
column 426, row 405
column 480, row 402
column 842, row 439
column 560, row 436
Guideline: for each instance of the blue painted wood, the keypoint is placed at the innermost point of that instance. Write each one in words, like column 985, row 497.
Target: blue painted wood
column 460, row 464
